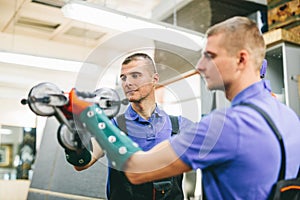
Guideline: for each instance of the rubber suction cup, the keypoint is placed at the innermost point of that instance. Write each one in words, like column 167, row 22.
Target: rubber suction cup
column 75, row 139
column 109, row 101
column 43, row 97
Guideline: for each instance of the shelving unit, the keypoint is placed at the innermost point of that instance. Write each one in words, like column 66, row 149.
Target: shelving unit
column 283, row 56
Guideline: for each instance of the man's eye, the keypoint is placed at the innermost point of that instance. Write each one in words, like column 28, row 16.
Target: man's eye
column 123, row 78
column 134, row 75
column 208, row 55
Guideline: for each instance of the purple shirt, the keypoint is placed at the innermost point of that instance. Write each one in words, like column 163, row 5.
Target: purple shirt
column 236, row 149
column 148, row 133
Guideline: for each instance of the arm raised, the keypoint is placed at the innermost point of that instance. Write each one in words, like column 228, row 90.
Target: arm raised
column 159, row 162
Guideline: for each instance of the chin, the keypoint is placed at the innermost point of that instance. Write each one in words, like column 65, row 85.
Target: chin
column 221, row 88
column 131, row 99
column 210, row 87
column 215, row 86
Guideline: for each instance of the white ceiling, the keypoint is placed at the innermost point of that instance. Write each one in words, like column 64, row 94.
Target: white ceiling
column 39, row 29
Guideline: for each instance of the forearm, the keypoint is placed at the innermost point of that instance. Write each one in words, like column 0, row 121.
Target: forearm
column 97, row 153
column 118, row 147
column 81, row 168
column 160, row 162
column 123, row 153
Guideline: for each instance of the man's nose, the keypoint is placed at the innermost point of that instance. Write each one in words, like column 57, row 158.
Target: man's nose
column 127, row 82
column 201, row 65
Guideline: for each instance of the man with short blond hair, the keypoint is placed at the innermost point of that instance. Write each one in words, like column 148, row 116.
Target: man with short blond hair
column 235, row 148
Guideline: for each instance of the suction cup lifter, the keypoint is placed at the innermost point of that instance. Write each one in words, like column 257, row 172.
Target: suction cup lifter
column 44, row 99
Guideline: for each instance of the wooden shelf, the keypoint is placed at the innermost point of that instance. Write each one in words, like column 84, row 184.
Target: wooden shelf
column 276, row 36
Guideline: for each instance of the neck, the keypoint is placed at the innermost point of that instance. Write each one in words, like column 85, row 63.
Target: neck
column 144, row 108
column 232, row 90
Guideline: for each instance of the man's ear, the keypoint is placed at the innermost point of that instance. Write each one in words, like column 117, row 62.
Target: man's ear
column 155, row 78
column 242, row 58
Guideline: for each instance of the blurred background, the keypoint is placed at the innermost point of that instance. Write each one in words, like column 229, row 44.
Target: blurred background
column 50, row 40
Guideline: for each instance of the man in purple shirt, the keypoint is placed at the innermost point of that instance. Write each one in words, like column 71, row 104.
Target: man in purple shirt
column 147, row 125
column 235, row 148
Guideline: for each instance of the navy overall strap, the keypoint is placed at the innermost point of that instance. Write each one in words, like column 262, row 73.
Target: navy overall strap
column 121, row 122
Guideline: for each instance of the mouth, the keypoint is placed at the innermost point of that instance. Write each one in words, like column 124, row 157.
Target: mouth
column 204, row 76
column 130, row 91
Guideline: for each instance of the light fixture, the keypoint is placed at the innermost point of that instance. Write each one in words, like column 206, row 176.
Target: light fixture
column 4, row 131
column 106, row 17
column 27, row 129
column 40, row 62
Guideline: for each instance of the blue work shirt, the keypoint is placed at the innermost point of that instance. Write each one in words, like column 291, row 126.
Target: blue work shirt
column 236, row 149
column 148, row 133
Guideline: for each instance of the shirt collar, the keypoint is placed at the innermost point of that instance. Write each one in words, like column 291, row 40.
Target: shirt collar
column 251, row 91
column 130, row 114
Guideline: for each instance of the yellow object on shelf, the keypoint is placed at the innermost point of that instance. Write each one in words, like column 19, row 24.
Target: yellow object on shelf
column 283, row 14
column 280, row 35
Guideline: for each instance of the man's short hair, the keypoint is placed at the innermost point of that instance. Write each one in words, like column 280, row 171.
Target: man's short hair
column 137, row 56
column 241, row 33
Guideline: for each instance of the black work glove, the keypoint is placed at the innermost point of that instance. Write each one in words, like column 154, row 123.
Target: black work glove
column 76, row 151
column 78, row 158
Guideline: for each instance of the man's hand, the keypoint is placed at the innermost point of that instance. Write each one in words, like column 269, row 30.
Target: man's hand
column 81, row 157
column 76, row 104
column 96, row 154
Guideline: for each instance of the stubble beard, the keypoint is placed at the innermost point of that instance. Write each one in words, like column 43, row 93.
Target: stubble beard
column 138, row 99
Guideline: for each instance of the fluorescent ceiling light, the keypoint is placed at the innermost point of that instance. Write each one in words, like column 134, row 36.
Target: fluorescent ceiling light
column 105, row 17
column 27, row 129
column 40, row 62
column 4, row 131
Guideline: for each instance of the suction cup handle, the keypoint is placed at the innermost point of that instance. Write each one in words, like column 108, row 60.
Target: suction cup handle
column 125, row 102
column 86, row 94
column 24, row 101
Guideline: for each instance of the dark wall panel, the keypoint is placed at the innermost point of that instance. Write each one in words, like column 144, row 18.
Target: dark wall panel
column 53, row 176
